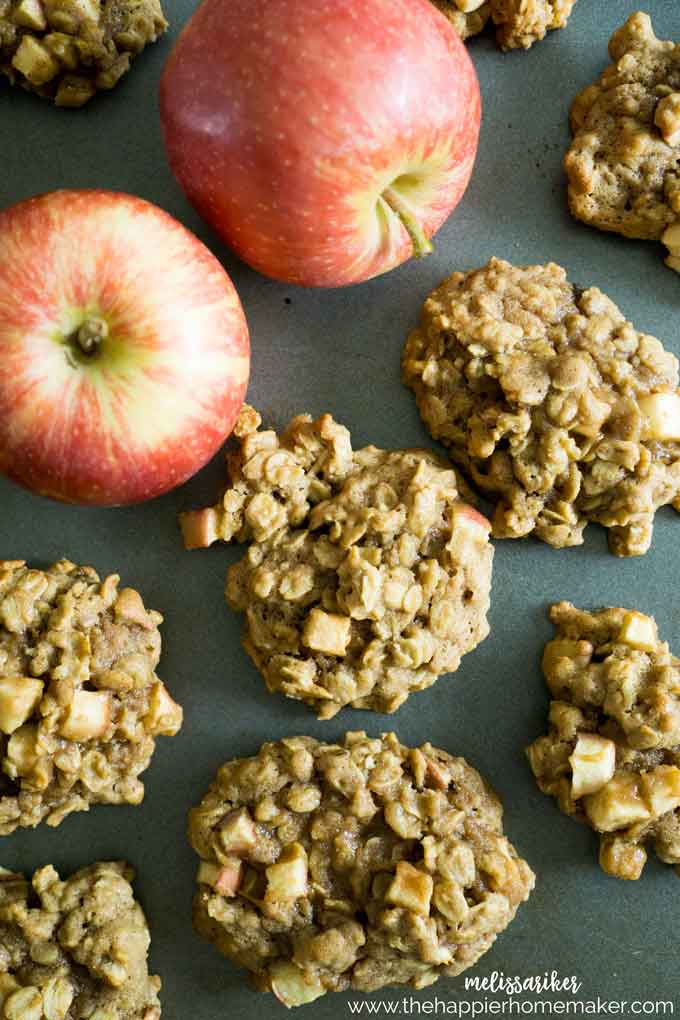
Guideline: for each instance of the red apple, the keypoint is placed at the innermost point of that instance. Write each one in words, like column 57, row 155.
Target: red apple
column 124, row 351
column 325, row 140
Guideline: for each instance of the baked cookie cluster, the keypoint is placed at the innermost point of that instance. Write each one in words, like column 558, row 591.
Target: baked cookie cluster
column 551, row 402
column 623, row 166
column 519, row 23
column 66, row 50
column 327, row 867
column 365, row 577
column 611, row 757
column 80, row 702
column 74, row 948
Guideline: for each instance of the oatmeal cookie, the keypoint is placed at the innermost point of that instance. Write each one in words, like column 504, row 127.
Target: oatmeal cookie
column 80, row 703
column 66, row 50
column 623, row 166
column 365, row 577
column 611, row 757
column 553, row 404
column 519, row 23
column 327, row 867
column 76, row 948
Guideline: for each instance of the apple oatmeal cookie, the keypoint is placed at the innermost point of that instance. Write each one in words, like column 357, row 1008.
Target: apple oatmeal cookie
column 80, row 703
column 327, row 867
column 623, row 166
column 611, row 757
column 76, row 948
column 66, row 50
column 554, row 405
column 519, row 23
column 365, row 576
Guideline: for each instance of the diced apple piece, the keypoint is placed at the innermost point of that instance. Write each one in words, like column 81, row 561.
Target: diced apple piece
column 18, row 697
column 465, row 516
column 237, row 832
column 437, row 775
column 662, row 411
column 225, row 879
column 469, row 6
column 593, row 764
column 130, row 608
column 164, row 715
column 88, row 716
column 292, row 986
column 639, row 631
column 228, row 881
column 30, row 14
column 661, row 789
column 35, row 62
column 327, row 632
column 287, row 879
column 410, row 888
column 468, row 528
column 618, row 804
column 21, row 749
column 199, row 528
column 88, row 10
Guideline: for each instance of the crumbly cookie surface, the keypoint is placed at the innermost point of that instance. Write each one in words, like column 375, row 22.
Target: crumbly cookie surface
column 356, row 865
column 365, row 577
column 76, row 948
column 80, row 702
column 623, row 166
column 552, row 403
column 611, row 757
column 66, row 50
column 519, row 23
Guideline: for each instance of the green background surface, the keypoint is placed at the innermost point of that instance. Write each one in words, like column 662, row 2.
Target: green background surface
column 339, row 351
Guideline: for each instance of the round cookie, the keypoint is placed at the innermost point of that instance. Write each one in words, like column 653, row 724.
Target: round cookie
column 74, row 948
column 66, row 50
column 327, row 867
column 623, row 163
column 611, row 757
column 80, row 703
column 554, row 405
column 366, row 576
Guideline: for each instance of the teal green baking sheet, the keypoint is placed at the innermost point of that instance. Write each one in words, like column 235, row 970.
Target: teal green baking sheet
column 339, row 351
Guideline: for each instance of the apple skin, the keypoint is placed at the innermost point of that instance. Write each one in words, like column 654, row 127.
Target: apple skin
column 159, row 395
column 285, row 122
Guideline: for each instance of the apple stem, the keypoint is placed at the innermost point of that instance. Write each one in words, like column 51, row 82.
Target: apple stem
column 90, row 335
column 421, row 243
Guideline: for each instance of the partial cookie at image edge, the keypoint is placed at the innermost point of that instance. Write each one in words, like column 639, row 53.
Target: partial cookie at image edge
column 622, row 165
column 611, row 758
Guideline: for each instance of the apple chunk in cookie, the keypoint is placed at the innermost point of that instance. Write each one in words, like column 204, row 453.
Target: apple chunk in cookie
column 365, row 576
column 551, row 402
column 80, row 702
column 623, row 163
column 364, row 864
column 74, row 948
column 611, row 757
